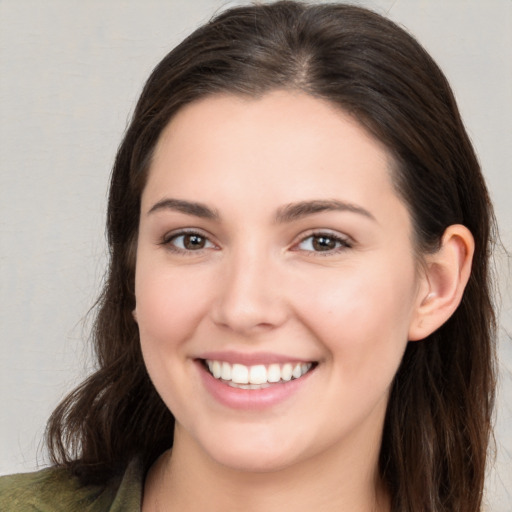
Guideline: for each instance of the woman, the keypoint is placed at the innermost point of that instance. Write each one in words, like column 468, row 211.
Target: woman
column 298, row 298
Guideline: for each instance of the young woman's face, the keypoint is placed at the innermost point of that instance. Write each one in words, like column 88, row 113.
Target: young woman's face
column 275, row 281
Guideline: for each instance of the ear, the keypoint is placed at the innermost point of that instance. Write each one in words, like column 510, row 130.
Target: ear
column 134, row 314
column 445, row 275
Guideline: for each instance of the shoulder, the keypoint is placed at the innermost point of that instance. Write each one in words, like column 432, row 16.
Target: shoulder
column 56, row 490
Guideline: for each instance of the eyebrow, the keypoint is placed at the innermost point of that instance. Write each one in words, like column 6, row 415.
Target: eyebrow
column 295, row 211
column 288, row 213
column 187, row 207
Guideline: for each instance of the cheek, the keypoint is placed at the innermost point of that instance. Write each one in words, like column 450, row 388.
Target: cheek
column 169, row 307
column 362, row 315
column 169, row 304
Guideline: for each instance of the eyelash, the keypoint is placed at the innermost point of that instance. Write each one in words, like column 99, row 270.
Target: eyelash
column 169, row 238
column 341, row 243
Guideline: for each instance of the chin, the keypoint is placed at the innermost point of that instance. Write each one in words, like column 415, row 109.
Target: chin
column 251, row 452
column 252, row 461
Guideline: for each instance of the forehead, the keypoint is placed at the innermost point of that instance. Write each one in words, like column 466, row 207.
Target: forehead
column 287, row 146
column 288, row 114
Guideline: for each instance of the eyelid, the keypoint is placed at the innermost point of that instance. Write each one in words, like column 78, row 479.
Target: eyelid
column 169, row 236
column 346, row 242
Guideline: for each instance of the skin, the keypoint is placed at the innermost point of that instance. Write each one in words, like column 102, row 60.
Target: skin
column 258, row 284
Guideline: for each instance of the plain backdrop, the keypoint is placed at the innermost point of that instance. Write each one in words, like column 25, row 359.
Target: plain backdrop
column 70, row 73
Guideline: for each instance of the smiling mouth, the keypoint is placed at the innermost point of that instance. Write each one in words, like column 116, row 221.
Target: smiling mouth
column 258, row 376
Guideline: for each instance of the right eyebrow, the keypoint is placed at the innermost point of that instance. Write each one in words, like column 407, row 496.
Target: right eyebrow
column 187, row 207
column 294, row 211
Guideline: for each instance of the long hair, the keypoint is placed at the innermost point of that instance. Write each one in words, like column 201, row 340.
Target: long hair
column 438, row 421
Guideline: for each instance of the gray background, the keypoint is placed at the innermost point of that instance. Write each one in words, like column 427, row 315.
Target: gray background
column 70, row 73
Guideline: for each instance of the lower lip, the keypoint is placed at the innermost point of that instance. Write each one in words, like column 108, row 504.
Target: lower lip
column 250, row 399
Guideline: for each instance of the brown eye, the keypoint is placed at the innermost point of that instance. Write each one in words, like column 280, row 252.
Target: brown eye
column 189, row 242
column 323, row 242
column 194, row 242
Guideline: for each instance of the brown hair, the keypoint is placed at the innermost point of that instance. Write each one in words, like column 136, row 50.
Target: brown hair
column 438, row 420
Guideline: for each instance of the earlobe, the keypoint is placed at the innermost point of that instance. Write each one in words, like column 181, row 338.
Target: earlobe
column 446, row 274
column 134, row 314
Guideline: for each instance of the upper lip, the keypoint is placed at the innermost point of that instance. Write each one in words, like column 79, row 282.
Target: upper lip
column 250, row 359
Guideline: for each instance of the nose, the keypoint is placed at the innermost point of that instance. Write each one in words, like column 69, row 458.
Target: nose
column 250, row 297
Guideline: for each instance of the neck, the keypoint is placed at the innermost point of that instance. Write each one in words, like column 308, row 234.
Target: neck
column 189, row 480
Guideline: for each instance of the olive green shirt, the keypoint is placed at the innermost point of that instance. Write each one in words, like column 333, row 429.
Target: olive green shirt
column 56, row 490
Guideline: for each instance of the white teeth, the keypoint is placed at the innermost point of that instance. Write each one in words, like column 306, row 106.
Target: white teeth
column 297, row 371
column 286, row 372
column 239, row 374
column 274, row 373
column 257, row 376
column 216, row 369
column 248, row 386
column 226, row 371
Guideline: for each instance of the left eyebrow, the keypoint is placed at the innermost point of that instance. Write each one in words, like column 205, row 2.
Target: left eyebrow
column 295, row 211
column 186, row 207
